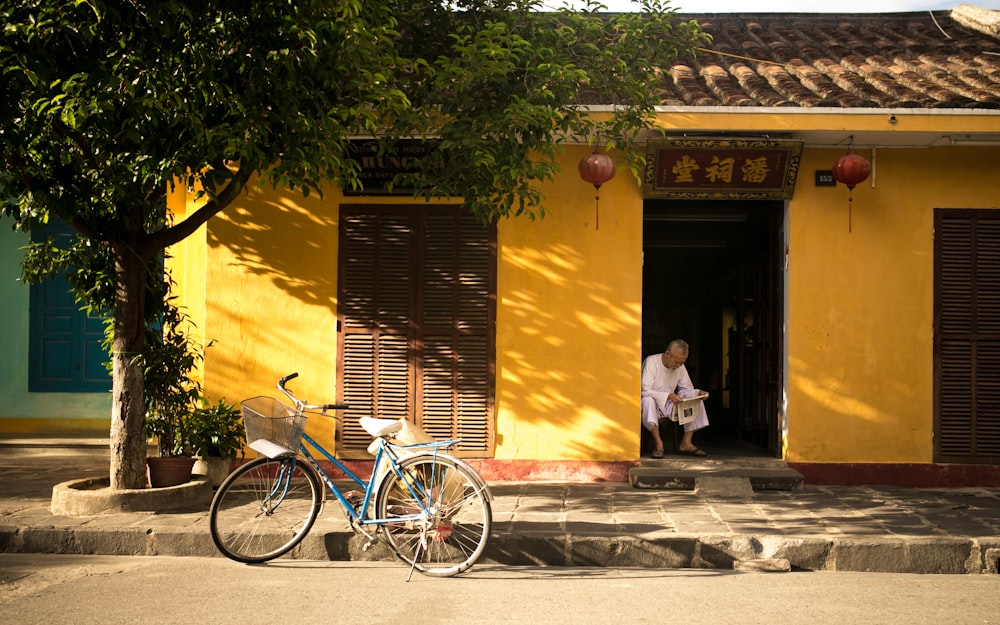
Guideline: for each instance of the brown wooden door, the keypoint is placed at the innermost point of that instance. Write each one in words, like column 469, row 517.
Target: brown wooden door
column 967, row 336
column 417, row 321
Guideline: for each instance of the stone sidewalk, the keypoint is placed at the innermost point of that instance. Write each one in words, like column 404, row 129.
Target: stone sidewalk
column 870, row 528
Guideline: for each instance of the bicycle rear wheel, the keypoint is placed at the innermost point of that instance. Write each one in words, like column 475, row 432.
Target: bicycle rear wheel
column 264, row 508
column 454, row 535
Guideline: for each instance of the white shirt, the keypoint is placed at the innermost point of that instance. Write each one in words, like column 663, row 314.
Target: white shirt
column 658, row 381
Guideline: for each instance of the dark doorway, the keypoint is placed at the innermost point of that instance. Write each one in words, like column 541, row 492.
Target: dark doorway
column 712, row 275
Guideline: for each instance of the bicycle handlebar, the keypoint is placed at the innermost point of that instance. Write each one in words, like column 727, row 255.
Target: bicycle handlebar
column 300, row 404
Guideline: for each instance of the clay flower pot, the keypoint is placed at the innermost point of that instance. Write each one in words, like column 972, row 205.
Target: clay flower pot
column 169, row 471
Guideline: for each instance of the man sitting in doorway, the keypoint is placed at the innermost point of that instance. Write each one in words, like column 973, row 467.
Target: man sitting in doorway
column 665, row 382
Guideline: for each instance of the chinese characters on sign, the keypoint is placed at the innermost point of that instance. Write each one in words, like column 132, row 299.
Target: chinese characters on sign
column 722, row 168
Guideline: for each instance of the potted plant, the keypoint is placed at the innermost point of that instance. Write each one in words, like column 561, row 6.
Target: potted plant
column 214, row 433
column 170, row 395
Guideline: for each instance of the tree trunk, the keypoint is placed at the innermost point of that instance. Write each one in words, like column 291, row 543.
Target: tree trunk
column 128, row 418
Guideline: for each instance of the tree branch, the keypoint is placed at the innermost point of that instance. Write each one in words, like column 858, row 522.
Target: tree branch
column 31, row 184
column 178, row 232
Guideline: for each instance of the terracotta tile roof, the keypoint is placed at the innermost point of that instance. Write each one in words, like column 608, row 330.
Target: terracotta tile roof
column 890, row 60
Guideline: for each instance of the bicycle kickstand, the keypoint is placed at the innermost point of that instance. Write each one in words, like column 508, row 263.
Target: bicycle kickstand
column 421, row 546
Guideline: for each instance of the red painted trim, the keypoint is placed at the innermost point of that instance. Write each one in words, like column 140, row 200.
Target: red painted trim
column 908, row 475
column 553, row 470
column 523, row 470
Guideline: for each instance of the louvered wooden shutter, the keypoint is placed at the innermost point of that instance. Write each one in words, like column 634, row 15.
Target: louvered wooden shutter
column 416, row 301
column 967, row 336
column 374, row 301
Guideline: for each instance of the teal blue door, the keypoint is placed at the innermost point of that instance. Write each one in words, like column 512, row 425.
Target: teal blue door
column 64, row 349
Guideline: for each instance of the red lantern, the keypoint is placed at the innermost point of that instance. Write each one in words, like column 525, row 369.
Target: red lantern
column 597, row 168
column 851, row 169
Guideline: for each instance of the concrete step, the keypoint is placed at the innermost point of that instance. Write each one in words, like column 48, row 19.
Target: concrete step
column 681, row 474
column 23, row 449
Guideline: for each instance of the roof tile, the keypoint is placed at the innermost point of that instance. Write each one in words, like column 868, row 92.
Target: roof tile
column 892, row 60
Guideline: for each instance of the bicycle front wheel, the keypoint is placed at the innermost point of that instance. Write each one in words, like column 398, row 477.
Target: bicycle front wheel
column 264, row 508
column 451, row 536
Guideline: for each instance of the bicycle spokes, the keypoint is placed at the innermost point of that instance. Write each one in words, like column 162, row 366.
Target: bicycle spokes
column 440, row 517
column 264, row 509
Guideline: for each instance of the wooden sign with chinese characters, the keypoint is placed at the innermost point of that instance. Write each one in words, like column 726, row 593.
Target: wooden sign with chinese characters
column 740, row 168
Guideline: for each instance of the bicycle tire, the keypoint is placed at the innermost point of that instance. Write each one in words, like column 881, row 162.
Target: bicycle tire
column 265, row 508
column 455, row 536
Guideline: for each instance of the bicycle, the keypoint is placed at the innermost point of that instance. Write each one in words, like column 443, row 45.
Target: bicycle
column 432, row 509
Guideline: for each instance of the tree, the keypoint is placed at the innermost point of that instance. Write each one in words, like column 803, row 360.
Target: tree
column 104, row 104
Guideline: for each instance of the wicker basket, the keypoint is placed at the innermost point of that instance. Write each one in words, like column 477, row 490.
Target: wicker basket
column 266, row 418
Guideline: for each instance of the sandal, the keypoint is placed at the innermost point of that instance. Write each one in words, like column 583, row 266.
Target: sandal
column 657, row 453
column 693, row 452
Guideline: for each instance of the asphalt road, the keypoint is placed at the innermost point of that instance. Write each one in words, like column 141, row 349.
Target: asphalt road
column 86, row 590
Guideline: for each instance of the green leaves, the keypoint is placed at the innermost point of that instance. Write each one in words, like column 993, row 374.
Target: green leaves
column 509, row 84
column 107, row 103
column 212, row 430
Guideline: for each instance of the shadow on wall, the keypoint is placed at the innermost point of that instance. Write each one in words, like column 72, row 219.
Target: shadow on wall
column 291, row 241
column 271, row 292
column 567, row 346
column 829, row 425
column 569, row 343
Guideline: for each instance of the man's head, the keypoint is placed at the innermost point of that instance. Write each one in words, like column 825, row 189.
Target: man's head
column 675, row 355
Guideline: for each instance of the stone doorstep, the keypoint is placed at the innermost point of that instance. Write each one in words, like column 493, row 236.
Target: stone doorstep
column 75, row 449
column 671, row 478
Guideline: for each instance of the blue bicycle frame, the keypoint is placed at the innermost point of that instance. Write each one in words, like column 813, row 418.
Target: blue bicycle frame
column 386, row 451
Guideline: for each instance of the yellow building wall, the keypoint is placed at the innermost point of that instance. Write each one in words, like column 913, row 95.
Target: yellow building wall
column 859, row 329
column 860, row 321
column 569, row 318
column 263, row 292
column 186, row 263
column 270, row 303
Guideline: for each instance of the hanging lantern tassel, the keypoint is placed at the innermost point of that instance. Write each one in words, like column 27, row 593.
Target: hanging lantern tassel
column 851, row 169
column 597, row 168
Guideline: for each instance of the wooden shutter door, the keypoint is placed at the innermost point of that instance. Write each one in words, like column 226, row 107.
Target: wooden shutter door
column 455, row 340
column 374, row 305
column 967, row 336
column 416, row 309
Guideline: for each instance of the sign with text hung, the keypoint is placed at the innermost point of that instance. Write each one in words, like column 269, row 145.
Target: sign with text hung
column 380, row 170
column 731, row 168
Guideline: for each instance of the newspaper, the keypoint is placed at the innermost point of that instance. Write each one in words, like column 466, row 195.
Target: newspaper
column 687, row 410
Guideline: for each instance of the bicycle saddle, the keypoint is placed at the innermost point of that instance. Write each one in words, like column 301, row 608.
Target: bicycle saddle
column 380, row 427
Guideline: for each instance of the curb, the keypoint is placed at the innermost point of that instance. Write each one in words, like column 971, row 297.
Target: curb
column 952, row 556
column 722, row 524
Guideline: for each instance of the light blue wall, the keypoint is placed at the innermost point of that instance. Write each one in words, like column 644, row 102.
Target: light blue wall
column 21, row 411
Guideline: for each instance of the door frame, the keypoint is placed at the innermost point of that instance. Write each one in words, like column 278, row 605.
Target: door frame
column 719, row 223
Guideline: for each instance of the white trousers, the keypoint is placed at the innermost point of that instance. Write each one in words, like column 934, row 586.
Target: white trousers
column 651, row 415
